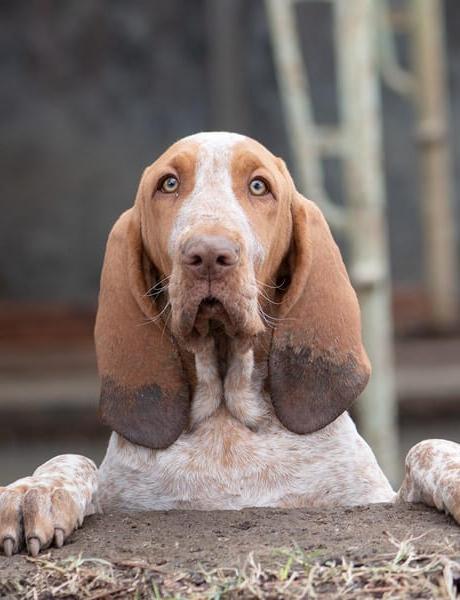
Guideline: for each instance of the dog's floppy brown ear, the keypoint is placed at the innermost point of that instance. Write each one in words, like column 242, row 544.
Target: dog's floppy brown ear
column 318, row 365
column 144, row 393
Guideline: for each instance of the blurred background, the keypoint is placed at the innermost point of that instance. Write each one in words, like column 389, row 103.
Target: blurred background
column 361, row 97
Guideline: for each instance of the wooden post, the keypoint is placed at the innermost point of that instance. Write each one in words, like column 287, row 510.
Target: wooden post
column 298, row 110
column 359, row 96
column 441, row 265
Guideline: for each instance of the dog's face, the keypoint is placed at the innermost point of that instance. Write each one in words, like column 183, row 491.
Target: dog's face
column 216, row 219
column 216, row 222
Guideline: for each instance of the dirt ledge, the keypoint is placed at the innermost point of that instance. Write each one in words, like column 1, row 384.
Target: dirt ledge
column 183, row 539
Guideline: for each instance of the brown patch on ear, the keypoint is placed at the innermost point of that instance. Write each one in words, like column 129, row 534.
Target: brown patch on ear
column 132, row 411
column 144, row 391
column 307, row 393
column 317, row 364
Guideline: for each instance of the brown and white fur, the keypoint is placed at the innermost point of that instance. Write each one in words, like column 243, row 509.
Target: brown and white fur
column 229, row 348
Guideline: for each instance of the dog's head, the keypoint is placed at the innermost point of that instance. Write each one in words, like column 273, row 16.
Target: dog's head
column 219, row 237
column 215, row 214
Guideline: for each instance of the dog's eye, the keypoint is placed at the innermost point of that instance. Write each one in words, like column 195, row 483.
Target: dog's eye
column 169, row 184
column 258, row 187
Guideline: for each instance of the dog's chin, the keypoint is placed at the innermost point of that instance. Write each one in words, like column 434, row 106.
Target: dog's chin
column 210, row 317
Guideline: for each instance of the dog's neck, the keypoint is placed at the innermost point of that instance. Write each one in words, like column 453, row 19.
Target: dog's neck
column 226, row 380
column 222, row 347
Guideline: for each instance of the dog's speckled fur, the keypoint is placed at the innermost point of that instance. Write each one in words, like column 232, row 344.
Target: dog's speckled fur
column 239, row 402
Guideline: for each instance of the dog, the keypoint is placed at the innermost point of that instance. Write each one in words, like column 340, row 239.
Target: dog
column 229, row 348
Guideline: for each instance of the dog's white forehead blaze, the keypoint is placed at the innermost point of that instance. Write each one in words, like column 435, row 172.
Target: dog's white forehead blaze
column 218, row 139
column 212, row 198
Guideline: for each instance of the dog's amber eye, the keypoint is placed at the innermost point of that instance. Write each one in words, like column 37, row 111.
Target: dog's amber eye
column 169, row 184
column 258, row 187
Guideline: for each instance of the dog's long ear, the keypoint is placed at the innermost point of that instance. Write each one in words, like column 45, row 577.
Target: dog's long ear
column 318, row 365
column 144, row 393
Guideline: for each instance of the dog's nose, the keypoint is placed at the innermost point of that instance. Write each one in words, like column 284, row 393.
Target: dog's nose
column 210, row 256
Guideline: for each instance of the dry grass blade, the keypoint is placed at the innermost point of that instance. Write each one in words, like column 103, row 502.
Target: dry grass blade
column 297, row 574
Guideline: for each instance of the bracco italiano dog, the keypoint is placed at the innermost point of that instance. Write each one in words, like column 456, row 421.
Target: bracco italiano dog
column 229, row 347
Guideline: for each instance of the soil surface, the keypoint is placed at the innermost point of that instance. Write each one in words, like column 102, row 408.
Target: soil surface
column 186, row 540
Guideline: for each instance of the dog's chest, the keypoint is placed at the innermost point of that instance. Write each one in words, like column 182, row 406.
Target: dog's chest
column 224, row 465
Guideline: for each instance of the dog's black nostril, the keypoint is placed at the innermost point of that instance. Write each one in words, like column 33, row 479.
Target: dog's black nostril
column 223, row 260
column 195, row 260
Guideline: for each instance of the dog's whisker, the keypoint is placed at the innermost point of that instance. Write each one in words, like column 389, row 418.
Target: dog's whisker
column 158, row 316
column 273, row 287
column 270, row 319
column 155, row 289
column 269, row 325
column 153, row 293
column 267, row 298
column 164, row 279
column 266, row 318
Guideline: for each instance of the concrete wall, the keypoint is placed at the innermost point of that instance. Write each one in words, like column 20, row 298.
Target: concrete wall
column 93, row 91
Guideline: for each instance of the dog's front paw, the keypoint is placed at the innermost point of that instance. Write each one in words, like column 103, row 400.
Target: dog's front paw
column 433, row 476
column 38, row 511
